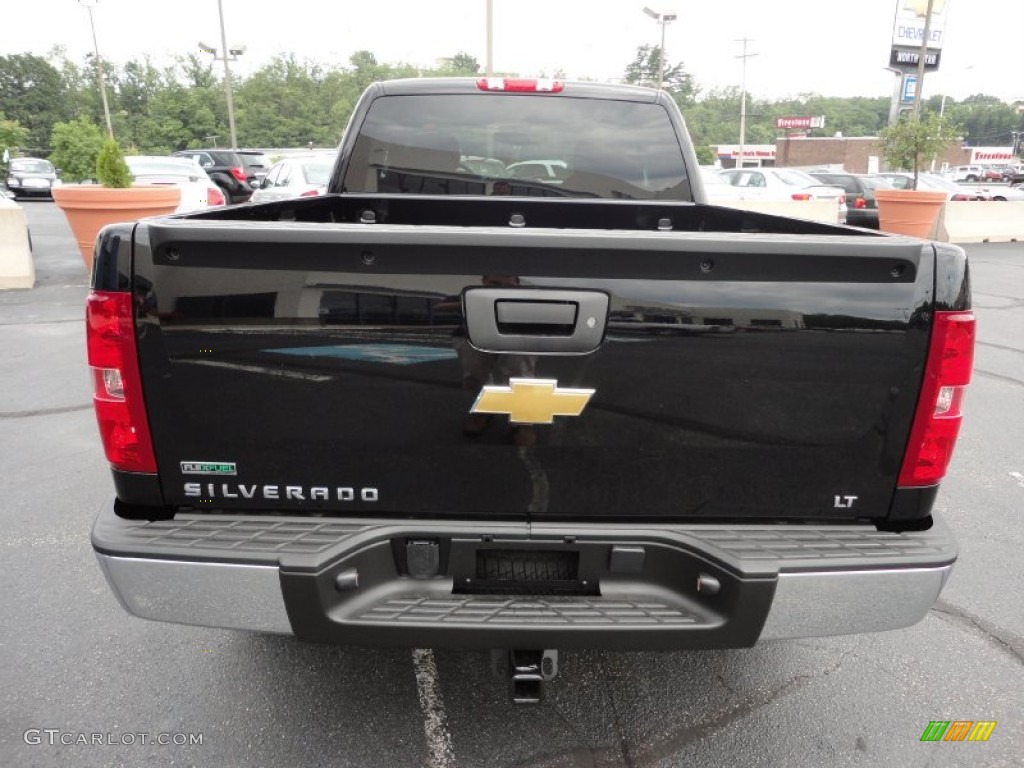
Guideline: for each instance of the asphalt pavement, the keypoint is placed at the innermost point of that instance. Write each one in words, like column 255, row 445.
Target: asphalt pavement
column 76, row 668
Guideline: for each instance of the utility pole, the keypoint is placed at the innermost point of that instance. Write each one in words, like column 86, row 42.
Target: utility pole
column 922, row 55
column 490, row 38
column 743, row 100
column 88, row 5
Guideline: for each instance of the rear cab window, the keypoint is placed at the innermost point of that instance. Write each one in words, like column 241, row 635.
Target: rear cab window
column 523, row 145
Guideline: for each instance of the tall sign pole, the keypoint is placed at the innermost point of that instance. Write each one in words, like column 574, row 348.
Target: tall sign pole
column 922, row 57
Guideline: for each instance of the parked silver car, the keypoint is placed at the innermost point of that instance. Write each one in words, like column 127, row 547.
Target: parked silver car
column 198, row 190
column 298, row 176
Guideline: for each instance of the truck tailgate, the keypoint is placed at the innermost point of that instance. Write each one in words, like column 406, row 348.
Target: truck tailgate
column 325, row 366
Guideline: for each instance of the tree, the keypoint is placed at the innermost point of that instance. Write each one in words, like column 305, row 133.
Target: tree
column 906, row 143
column 198, row 72
column 76, row 145
column 32, row 93
column 12, row 134
column 282, row 105
column 464, row 64
column 646, row 68
column 986, row 120
column 705, row 155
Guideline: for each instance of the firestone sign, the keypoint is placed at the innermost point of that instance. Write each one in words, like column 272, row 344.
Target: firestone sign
column 818, row 121
column 991, row 154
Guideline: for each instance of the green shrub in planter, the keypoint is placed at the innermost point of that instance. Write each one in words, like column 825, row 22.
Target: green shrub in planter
column 111, row 169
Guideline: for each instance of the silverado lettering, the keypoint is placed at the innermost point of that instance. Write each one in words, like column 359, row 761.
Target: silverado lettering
column 296, row 492
column 771, row 402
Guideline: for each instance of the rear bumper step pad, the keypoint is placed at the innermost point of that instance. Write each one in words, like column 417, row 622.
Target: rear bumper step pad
column 339, row 580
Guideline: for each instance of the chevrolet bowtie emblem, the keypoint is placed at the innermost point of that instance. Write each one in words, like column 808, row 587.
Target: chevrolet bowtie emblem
column 532, row 401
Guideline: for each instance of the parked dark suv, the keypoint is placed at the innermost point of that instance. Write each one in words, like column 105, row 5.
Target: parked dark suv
column 257, row 165
column 861, row 208
column 226, row 169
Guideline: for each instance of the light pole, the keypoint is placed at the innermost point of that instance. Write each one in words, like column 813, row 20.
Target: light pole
column 227, row 55
column 89, row 5
column 663, row 18
column 942, row 106
column 743, row 101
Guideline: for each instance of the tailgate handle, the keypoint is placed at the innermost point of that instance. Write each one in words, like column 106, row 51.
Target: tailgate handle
column 553, row 318
column 535, row 320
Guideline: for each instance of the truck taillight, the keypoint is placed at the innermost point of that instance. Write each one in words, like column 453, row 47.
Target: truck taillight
column 117, row 386
column 519, row 85
column 939, row 407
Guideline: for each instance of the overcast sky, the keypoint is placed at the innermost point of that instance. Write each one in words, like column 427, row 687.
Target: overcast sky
column 832, row 47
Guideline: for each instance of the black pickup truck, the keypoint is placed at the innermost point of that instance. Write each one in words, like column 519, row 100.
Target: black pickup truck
column 457, row 403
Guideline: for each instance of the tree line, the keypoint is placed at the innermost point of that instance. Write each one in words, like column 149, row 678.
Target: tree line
column 51, row 105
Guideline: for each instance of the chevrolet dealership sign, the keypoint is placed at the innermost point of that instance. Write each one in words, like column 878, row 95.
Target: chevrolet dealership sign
column 908, row 28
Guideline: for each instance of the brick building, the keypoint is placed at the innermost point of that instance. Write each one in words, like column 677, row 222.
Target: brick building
column 857, row 155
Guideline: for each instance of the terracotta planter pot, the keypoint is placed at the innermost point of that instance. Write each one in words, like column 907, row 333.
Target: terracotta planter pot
column 89, row 208
column 907, row 211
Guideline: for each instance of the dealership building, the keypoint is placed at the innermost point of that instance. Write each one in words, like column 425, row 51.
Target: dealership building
column 860, row 154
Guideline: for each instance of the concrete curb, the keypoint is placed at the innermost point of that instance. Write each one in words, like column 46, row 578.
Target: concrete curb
column 981, row 222
column 17, row 270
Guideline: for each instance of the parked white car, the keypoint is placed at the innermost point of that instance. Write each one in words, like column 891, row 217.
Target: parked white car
column 551, row 171
column 297, row 176
column 717, row 189
column 904, row 180
column 784, row 184
column 198, row 190
column 973, row 173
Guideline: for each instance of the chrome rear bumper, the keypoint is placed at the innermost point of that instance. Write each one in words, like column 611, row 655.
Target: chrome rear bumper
column 338, row 581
